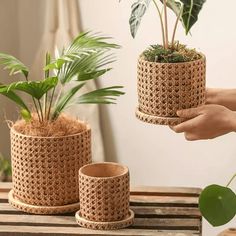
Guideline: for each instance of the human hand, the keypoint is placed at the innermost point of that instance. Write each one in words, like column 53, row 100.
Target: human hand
column 206, row 122
column 224, row 97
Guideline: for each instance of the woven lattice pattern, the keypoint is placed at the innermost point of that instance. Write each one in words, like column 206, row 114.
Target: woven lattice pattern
column 104, row 199
column 105, row 225
column 45, row 169
column 42, row 210
column 164, row 88
column 156, row 120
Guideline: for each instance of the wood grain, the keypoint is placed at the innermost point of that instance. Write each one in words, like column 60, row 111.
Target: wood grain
column 158, row 211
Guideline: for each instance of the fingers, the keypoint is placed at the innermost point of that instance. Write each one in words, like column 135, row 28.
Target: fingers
column 183, row 127
column 189, row 113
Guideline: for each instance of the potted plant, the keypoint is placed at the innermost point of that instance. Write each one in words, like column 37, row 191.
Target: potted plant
column 5, row 169
column 218, row 203
column 47, row 147
column 170, row 75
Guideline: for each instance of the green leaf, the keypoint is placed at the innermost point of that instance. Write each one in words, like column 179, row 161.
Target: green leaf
column 139, row 8
column 88, row 54
column 25, row 115
column 36, row 89
column 217, row 204
column 191, row 10
column 13, row 96
column 101, row 96
column 174, row 6
column 64, row 100
column 92, row 75
column 14, row 65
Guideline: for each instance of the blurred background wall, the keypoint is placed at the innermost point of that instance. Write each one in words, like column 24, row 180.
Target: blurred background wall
column 154, row 154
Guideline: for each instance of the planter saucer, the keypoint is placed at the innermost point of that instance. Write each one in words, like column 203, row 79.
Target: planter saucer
column 41, row 210
column 157, row 120
column 105, row 225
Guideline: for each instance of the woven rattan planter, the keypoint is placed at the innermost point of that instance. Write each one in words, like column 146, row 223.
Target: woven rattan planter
column 104, row 196
column 45, row 171
column 164, row 88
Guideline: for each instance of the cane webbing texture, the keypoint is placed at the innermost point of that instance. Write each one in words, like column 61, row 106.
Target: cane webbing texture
column 164, row 88
column 104, row 199
column 129, row 220
column 41, row 210
column 156, row 120
column 45, row 169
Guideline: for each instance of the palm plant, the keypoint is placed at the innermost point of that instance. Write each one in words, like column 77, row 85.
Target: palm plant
column 87, row 58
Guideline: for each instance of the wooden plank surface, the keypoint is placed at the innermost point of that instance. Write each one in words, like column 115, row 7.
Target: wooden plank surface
column 228, row 232
column 159, row 211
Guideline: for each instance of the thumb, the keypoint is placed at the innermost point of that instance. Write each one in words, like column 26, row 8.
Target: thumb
column 189, row 113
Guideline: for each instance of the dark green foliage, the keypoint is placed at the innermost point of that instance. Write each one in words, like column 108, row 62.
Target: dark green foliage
column 217, row 204
column 178, row 53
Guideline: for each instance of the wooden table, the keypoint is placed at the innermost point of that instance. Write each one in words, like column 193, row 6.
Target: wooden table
column 158, row 211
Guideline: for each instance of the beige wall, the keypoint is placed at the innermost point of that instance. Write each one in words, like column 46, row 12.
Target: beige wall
column 154, row 154
column 9, row 42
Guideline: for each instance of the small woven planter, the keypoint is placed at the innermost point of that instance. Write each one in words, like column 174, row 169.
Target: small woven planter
column 164, row 88
column 104, row 196
column 45, row 171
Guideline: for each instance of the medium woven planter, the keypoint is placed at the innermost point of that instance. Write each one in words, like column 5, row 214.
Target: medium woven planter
column 45, row 171
column 104, row 196
column 165, row 88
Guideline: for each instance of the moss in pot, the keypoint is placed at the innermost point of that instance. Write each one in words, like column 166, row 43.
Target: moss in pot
column 171, row 76
column 48, row 147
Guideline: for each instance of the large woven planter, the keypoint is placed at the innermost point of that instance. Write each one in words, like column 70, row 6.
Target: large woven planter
column 45, row 171
column 164, row 88
column 104, row 196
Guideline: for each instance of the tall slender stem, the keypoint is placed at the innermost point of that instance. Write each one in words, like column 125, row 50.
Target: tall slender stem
column 166, row 25
column 231, row 180
column 175, row 27
column 41, row 110
column 162, row 24
column 36, row 108
column 50, row 104
column 46, row 75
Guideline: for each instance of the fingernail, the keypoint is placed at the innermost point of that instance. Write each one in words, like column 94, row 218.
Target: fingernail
column 178, row 113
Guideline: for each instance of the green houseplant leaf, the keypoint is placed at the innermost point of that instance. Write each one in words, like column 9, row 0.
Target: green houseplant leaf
column 101, row 96
column 217, row 204
column 13, row 96
column 191, row 10
column 175, row 6
column 36, row 89
column 14, row 65
column 139, row 8
column 64, row 100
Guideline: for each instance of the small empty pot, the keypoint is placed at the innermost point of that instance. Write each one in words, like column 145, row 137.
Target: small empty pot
column 104, row 192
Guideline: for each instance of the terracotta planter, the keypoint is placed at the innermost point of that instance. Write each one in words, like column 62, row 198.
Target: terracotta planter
column 45, row 171
column 164, row 88
column 104, row 196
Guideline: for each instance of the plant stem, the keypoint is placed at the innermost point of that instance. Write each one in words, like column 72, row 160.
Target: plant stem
column 36, row 108
column 175, row 28
column 166, row 25
column 231, row 180
column 40, row 108
column 46, row 75
column 162, row 24
column 50, row 104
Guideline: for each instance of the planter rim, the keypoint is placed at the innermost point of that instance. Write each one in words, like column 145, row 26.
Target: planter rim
column 203, row 57
column 88, row 128
column 125, row 170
